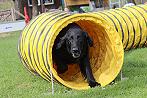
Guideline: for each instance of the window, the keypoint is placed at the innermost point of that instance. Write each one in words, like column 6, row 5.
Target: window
column 46, row 2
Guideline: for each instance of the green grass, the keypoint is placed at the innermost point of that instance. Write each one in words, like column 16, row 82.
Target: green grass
column 6, row 5
column 17, row 82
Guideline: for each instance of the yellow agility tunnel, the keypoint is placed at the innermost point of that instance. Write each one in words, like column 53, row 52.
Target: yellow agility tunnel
column 112, row 31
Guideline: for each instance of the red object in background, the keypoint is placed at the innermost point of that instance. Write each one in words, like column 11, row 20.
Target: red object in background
column 27, row 19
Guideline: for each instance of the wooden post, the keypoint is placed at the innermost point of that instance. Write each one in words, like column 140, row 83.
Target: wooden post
column 16, row 7
column 35, row 10
column 42, row 6
column 13, row 14
column 65, row 6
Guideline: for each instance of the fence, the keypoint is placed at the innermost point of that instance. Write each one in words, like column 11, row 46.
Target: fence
column 9, row 15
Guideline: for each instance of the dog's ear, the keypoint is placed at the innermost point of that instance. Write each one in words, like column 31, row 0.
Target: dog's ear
column 89, row 40
column 61, row 42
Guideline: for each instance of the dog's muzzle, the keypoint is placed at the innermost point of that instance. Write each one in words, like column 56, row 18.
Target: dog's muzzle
column 75, row 53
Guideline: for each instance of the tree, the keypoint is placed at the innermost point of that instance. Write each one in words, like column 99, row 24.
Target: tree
column 35, row 10
column 19, row 6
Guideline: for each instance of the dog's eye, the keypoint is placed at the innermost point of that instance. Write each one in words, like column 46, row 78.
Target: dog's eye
column 71, row 37
column 78, row 37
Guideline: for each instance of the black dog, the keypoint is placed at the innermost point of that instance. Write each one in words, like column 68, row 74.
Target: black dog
column 71, row 46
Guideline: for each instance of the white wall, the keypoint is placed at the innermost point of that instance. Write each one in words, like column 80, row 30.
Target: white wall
column 12, row 26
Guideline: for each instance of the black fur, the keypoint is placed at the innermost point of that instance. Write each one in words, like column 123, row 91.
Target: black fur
column 72, row 46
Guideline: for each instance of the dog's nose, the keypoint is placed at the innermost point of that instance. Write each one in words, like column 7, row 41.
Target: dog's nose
column 75, row 50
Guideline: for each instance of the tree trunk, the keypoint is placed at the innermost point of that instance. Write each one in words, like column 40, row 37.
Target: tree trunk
column 57, row 3
column 35, row 10
column 19, row 6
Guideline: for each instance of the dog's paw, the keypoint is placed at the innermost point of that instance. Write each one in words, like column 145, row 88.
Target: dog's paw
column 93, row 84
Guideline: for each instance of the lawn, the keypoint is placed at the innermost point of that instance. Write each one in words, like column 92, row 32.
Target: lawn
column 17, row 82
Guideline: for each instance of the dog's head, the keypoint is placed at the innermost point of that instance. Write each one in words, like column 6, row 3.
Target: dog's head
column 75, row 40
